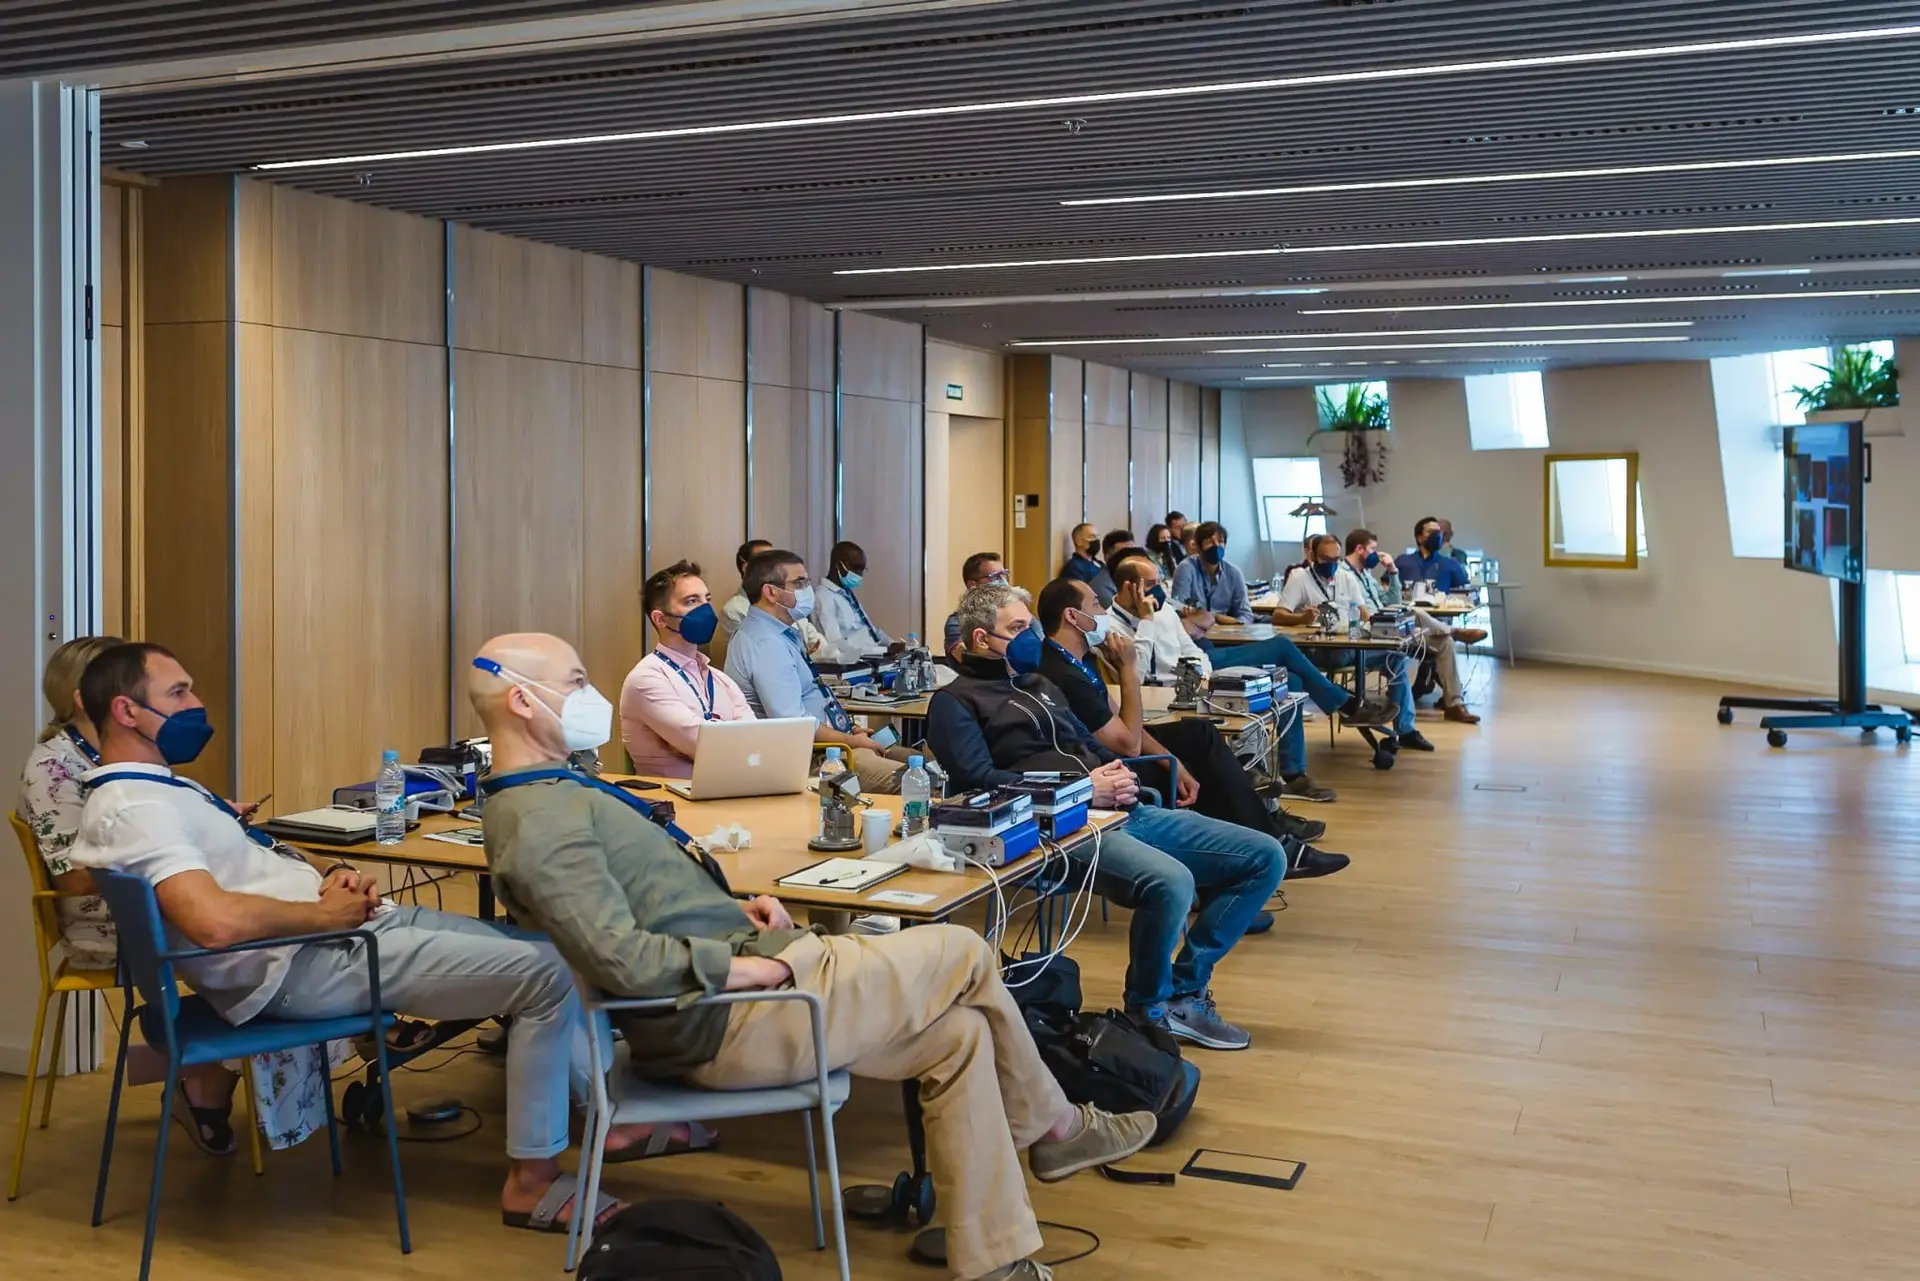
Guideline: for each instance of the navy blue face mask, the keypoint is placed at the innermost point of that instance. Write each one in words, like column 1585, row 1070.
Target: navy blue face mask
column 1325, row 568
column 699, row 623
column 1023, row 651
column 183, row 735
column 1432, row 541
column 1372, row 561
column 1216, row 554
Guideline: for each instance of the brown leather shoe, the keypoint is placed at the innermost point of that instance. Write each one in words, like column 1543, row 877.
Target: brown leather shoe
column 1469, row 635
column 1458, row 712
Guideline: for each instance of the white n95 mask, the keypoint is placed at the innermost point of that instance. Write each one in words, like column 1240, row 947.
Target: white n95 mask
column 586, row 719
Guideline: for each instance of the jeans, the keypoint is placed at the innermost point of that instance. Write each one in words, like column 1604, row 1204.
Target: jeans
column 1399, row 680
column 441, row 966
column 1159, row 863
column 1226, row 793
column 1281, row 652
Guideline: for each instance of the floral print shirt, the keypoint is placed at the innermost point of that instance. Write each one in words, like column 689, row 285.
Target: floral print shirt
column 50, row 803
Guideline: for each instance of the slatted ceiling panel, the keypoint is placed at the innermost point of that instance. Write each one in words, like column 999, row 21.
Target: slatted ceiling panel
column 785, row 209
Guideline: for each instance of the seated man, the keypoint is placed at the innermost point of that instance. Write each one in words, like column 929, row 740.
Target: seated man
column 1212, row 779
column 1176, row 530
column 851, row 635
column 639, row 916
column 779, row 681
column 1082, row 564
column 977, row 570
column 675, row 690
column 1428, row 563
column 1102, row 582
column 1000, row 718
column 734, row 612
column 220, row 883
column 1141, row 611
column 1210, row 581
column 1300, row 600
column 1364, row 562
column 1446, row 542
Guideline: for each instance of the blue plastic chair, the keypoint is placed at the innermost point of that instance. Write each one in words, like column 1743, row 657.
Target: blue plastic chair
column 190, row 1031
column 1048, row 910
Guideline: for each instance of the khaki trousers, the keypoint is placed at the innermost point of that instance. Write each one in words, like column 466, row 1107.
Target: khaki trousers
column 925, row 1004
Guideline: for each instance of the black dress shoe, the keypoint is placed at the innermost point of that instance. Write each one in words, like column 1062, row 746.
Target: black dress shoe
column 1309, row 862
column 1416, row 741
column 1300, row 829
column 1261, row 924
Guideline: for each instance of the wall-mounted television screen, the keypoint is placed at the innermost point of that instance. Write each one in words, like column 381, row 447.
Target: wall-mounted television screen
column 1826, row 532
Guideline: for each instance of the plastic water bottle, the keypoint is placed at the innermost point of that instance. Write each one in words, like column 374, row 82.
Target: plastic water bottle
column 830, row 769
column 916, row 797
column 909, row 681
column 390, row 801
column 1353, row 621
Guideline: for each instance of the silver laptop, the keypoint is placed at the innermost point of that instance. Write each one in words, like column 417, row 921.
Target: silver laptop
column 750, row 758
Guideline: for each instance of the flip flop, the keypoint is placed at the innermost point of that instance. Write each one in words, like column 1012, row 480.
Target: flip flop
column 545, row 1217
column 662, row 1143
column 211, row 1129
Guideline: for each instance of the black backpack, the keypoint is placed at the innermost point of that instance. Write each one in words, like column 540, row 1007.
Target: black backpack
column 1108, row 1060
column 678, row 1239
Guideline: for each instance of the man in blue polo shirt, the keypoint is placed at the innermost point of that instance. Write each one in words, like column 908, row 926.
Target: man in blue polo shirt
column 1427, row 563
column 1209, row 581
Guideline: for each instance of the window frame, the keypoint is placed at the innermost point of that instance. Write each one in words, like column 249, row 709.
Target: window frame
column 1630, row 559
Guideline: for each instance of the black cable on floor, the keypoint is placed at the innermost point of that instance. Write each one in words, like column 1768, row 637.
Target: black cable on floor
column 1088, row 1233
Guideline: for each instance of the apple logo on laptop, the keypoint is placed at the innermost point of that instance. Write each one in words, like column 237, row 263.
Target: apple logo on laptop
column 753, row 760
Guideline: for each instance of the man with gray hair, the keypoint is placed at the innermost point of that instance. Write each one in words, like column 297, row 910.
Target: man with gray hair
column 1000, row 718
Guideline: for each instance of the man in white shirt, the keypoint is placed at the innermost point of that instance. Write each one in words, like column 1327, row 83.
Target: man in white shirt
column 850, row 634
column 675, row 690
column 1362, row 564
column 220, row 883
column 734, row 611
column 1302, row 597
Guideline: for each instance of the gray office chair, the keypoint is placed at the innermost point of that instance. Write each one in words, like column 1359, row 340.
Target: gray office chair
column 618, row 1096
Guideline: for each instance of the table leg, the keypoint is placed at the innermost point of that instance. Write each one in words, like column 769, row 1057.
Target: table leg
column 486, row 912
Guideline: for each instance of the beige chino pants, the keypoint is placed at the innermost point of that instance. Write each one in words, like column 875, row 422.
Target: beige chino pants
column 925, row 1004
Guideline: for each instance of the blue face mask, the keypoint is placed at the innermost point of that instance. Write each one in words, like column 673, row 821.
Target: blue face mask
column 851, row 580
column 1432, row 542
column 1216, row 554
column 699, row 623
column 183, row 735
column 1372, row 561
column 1326, row 568
column 1101, row 624
column 1023, row 651
column 802, row 606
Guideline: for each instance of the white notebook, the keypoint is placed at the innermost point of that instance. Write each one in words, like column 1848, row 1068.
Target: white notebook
column 848, row 874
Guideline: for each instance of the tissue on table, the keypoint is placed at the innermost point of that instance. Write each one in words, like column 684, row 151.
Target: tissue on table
column 727, row 836
column 922, row 851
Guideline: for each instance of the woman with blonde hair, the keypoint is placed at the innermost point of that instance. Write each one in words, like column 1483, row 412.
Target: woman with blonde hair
column 51, row 799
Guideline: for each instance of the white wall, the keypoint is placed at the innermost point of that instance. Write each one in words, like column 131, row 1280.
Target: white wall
column 1692, row 608
column 1267, row 423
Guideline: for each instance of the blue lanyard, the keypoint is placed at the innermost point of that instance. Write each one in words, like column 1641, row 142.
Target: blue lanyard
column 706, row 706
column 644, row 809
column 86, row 749
column 253, row 834
column 865, row 622
column 837, row 716
column 1092, row 673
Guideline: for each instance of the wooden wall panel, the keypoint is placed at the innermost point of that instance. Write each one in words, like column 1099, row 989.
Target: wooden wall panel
column 611, row 632
column 1107, row 476
column 610, row 312
column 819, row 530
column 773, row 354
column 185, row 233
column 189, row 534
column 882, row 444
column 698, row 468
column 1209, row 453
column 1029, row 447
column 522, row 530
column 720, row 326
column 346, row 268
column 358, row 542
column 1149, row 444
column 811, row 335
column 980, row 375
column 257, row 364
column 880, row 357
column 1067, row 495
column 113, row 419
column 780, row 476
column 516, row 297
column 1183, row 450
column 1107, row 395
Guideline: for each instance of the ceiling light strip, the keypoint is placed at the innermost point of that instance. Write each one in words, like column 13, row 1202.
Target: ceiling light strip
column 1813, row 294
column 1453, row 242
column 1438, row 346
column 1586, row 58
column 1541, row 175
column 1356, row 333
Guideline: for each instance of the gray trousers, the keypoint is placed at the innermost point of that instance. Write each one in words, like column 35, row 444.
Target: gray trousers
column 439, row 966
column 1446, row 662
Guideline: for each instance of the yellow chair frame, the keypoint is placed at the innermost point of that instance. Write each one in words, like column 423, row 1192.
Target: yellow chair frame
column 60, row 983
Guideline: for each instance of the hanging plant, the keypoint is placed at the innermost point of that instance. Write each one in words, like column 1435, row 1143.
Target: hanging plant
column 1360, row 415
column 1857, row 379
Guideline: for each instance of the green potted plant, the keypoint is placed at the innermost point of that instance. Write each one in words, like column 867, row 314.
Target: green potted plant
column 1858, row 386
column 1361, row 417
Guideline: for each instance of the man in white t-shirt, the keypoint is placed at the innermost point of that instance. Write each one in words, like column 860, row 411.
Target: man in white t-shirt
column 220, row 883
column 1322, row 584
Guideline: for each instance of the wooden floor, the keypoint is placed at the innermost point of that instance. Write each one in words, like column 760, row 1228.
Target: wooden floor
column 1609, row 992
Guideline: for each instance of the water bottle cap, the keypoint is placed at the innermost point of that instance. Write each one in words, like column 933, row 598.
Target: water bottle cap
column 916, row 762
column 833, row 753
column 389, row 757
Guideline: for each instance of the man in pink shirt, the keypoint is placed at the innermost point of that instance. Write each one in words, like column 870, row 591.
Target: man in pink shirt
column 675, row 690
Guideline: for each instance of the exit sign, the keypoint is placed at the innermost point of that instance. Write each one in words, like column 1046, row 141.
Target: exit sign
column 956, row 392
